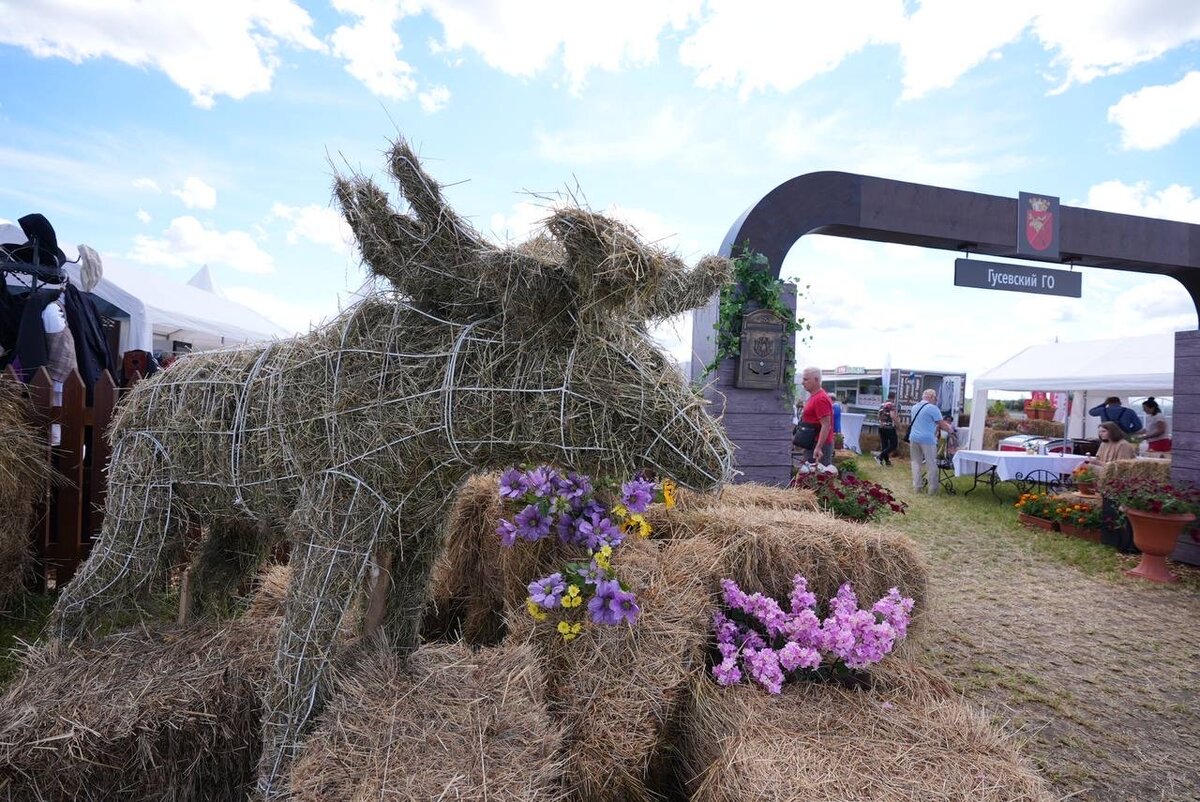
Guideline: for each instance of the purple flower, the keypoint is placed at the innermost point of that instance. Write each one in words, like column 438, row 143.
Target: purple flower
column 624, row 605
column 801, row 598
column 592, row 573
column 597, row 530
column 793, row 656
column 507, row 531
column 599, row 607
column 763, row 665
column 637, row 494
column 727, row 672
column 547, row 592
column 566, row 529
column 542, row 480
column 574, row 488
column 532, row 523
column 512, row 485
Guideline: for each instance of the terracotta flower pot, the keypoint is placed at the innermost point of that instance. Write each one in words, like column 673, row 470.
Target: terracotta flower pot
column 1086, row 488
column 1034, row 522
column 1156, row 535
column 1081, row 532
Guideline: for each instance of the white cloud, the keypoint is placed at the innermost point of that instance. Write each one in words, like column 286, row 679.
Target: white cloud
column 370, row 46
column 523, row 38
column 220, row 47
column 143, row 215
column 672, row 135
column 434, row 100
column 318, row 224
column 187, row 241
column 1155, row 116
column 1094, row 38
column 763, row 44
column 148, row 184
column 1175, row 202
column 196, row 194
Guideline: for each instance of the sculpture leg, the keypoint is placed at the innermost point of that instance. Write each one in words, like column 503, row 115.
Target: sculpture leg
column 412, row 566
column 141, row 519
column 333, row 536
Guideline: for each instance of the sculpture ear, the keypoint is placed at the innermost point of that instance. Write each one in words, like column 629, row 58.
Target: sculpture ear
column 681, row 289
column 606, row 260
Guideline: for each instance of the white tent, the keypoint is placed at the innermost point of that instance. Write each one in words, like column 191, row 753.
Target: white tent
column 162, row 309
column 1089, row 371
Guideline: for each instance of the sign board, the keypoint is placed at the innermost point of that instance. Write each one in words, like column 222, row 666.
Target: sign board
column 1017, row 278
column 1037, row 226
column 846, row 370
column 868, row 400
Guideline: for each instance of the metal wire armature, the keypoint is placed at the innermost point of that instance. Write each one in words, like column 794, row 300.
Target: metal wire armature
column 350, row 440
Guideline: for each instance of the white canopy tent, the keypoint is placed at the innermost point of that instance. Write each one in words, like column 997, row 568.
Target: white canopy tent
column 1089, row 371
column 163, row 309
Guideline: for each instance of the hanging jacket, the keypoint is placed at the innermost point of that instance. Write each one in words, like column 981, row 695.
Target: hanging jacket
column 91, row 346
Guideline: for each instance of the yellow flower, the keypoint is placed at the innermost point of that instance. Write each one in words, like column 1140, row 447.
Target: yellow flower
column 620, row 511
column 638, row 525
column 535, row 612
column 668, row 490
column 603, row 557
column 569, row 630
column 572, row 597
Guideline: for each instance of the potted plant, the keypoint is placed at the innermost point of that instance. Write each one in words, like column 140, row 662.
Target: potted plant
column 1041, row 409
column 1037, row 511
column 1085, row 478
column 1079, row 520
column 1158, row 511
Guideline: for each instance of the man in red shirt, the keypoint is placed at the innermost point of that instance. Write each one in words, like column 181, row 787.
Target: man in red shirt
column 818, row 410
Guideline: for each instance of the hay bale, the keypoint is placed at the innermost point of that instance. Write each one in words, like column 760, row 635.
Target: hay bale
column 1157, row 469
column 24, row 475
column 749, row 494
column 615, row 688
column 451, row 724
column 163, row 713
column 992, row 438
column 763, row 549
column 905, row 738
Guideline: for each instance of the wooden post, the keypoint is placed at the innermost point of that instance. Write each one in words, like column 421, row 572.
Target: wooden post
column 104, row 400
column 41, row 397
column 69, row 541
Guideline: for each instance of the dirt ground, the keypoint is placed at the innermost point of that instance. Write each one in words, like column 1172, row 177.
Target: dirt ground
column 1098, row 674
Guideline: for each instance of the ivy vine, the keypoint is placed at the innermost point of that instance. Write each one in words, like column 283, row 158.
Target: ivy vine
column 753, row 283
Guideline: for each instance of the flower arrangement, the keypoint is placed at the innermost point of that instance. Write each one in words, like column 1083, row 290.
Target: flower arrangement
column 1084, row 473
column 542, row 500
column 1038, row 505
column 847, row 496
column 756, row 637
column 1144, row 494
column 1084, row 516
column 1040, row 403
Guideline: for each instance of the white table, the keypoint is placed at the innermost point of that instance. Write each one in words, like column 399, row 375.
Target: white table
column 852, row 423
column 1044, row 471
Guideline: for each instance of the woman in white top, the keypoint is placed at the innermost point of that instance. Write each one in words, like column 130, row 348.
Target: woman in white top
column 1156, row 431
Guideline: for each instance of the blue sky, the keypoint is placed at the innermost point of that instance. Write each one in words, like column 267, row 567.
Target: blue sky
column 171, row 135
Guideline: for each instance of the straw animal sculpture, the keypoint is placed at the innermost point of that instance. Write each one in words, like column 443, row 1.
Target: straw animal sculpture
column 615, row 689
column 453, row 723
column 24, row 474
column 905, row 739
column 349, row 441
column 166, row 712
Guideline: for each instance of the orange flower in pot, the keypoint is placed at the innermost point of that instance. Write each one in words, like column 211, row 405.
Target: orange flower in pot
column 1085, row 477
column 1158, row 512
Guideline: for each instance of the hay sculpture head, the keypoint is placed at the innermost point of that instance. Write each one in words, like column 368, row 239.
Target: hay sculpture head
column 351, row 439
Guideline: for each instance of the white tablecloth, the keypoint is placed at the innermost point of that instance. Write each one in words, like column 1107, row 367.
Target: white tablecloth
column 852, row 423
column 1010, row 463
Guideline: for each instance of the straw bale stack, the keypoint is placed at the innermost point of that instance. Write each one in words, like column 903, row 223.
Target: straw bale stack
column 1158, row 469
column 165, row 713
column 452, row 723
column 749, row 494
column 906, row 739
column 616, row 688
column 24, row 475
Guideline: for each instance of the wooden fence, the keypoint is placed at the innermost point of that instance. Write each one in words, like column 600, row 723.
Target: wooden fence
column 66, row 522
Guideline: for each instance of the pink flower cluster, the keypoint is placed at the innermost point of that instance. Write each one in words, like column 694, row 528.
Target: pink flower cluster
column 757, row 637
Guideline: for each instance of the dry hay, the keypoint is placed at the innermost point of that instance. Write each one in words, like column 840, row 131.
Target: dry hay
column 762, row 550
column 452, row 724
column 992, row 438
column 351, row 439
column 165, row 713
column 1042, row 428
column 906, row 738
column 1158, row 469
column 615, row 688
column 24, row 475
column 749, row 494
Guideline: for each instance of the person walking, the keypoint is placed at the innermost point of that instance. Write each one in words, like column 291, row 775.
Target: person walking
column 818, row 412
column 889, row 444
column 922, row 440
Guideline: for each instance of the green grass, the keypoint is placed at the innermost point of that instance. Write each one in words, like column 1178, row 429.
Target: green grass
column 21, row 622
